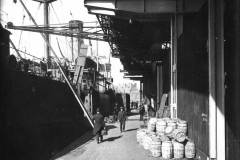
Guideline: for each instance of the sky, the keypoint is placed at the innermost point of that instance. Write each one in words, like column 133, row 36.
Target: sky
column 61, row 11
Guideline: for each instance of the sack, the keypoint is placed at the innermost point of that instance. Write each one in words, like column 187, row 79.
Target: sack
column 104, row 131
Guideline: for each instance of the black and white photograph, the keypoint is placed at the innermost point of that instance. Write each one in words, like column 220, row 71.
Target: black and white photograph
column 120, row 79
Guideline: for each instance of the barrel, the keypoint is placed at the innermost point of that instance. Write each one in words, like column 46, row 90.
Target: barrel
column 182, row 125
column 152, row 124
column 172, row 123
column 171, row 126
column 146, row 142
column 164, row 138
column 137, row 135
column 160, row 126
column 140, row 136
column 190, row 149
column 167, row 149
column 169, row 131
column 178, row 150
column 155, row 147
column 179, row 135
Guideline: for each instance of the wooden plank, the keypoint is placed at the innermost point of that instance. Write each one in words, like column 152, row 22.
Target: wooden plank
column 163, row 109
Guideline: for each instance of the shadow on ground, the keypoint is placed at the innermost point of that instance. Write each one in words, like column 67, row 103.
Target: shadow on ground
column 133, row 113
column 135, row 119
column 131, row 130
column 111, row 138
column 80, row 141
column 110, row 127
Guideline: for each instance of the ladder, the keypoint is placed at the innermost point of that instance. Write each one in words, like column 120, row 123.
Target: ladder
column 163, row 110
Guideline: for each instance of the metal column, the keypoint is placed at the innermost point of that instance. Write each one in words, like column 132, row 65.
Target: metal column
column 216, row 80
column 173, row 94
column 212, row 86
column 46, row 24
column 159, row 84
column 220, row 90
column 141, row 92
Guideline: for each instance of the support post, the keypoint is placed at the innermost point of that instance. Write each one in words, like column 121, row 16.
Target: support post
column 212, row 80
column 173, row 94
column 141, row 92
column 216, row 80
column 220, row 90
column 46, row 24
column 159, row 84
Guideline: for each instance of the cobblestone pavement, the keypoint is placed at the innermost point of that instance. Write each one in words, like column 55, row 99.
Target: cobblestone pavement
column 115, row 145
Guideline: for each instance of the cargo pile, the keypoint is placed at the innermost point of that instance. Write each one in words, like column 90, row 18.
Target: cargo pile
column 166, row 138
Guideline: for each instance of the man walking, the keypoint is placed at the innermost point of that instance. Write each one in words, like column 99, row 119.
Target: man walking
column 122, row 119
column 98, row 125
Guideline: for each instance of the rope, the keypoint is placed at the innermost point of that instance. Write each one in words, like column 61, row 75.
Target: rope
column 54, row 12
column 60, row 27
column 60, row 49
column 26, row 53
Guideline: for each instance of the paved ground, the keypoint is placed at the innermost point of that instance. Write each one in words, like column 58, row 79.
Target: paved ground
column 115, row 146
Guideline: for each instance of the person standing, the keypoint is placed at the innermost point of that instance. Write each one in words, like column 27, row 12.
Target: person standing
column 98, row 125
column 122, row 119
column 141, row 112
column 151, row 111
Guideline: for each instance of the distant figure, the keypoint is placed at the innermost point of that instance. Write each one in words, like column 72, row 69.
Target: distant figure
column 151, row 111
column 115, row 112
column 141, row 112
column 146, row 103
column 98, row 125
column 122, row 119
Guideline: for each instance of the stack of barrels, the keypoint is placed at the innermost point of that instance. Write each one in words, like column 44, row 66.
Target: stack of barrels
column 160, row 126
column 140, row 135
column 151, row 126
column 155, row 146
column 167, row 138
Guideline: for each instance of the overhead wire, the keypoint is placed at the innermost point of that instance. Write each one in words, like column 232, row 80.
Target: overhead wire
column 60, row 49
column 67, row 26
column 20, row 38
column 24, row 52
column 54, row 12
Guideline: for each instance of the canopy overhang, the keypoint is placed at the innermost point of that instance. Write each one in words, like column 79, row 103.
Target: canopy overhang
column 143, row 6
column 138, row 29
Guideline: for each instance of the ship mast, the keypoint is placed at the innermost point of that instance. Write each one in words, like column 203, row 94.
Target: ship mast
column 46, row 24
